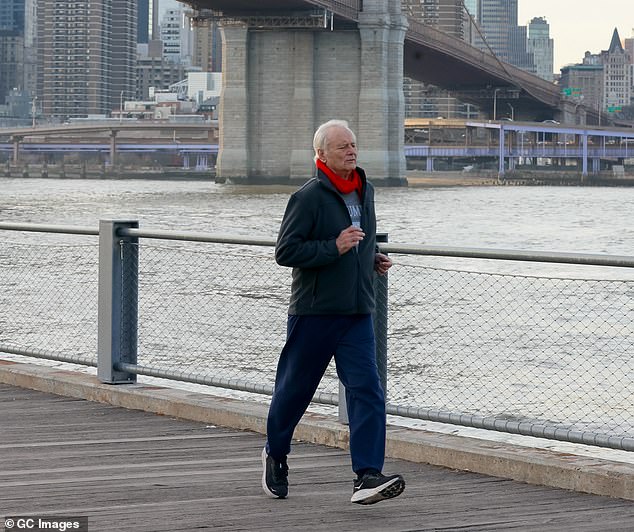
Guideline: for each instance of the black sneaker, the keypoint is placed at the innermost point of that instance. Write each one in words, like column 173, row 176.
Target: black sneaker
column 374, row 487
column 274, row 476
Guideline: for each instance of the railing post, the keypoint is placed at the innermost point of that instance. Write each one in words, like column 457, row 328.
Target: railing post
column 380, row 334
column 117, row 301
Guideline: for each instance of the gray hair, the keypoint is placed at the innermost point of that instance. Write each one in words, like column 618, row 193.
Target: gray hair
column 319, row 140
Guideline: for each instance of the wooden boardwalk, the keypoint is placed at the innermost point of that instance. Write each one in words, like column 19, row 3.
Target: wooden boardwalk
column 136, row 471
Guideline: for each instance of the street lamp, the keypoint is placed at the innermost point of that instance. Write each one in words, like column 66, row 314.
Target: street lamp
column 33, row 109
column 512, row 111
column 495, row 102
column 121, row 107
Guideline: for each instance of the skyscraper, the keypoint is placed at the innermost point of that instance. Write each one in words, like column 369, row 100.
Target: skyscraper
column 541, row 47
column 496, row 19
column 16, row 41
column 143, row 21
column 87, row 54
column 11, row 46
column 147, row 21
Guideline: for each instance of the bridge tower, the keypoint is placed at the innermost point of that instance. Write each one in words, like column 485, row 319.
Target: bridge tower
column 285, row 75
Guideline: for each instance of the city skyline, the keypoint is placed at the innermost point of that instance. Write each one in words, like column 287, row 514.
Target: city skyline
column 578, row 26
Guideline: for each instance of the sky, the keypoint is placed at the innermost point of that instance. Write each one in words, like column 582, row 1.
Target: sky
column 576, row 26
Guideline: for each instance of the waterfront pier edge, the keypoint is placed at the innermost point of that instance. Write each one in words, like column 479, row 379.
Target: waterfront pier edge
column 504, row 460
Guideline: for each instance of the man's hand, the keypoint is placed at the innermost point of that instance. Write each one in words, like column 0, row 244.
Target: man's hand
column 382, row 263
column 349, row 238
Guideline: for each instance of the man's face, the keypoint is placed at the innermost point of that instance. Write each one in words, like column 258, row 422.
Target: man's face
column 340, row 154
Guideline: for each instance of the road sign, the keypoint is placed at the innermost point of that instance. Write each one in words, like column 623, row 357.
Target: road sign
column 571, row 91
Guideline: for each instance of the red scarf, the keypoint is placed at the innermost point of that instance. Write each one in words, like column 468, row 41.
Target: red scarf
column 344, row 186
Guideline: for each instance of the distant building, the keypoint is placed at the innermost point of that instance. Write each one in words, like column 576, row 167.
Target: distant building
column 603, row 81
column 471, row 20
column 529, row 48
column 147, row 20
column 177, row 36
column 17, row 54
column 123, row 50
column 86, row 56
column 497, row 19
column 427, row 101
column 11, row 59
column 518, row 49
column 629, row 46
column 583, row 83
column 446, row 15
column 207, row 50
column 617, row 75
column 541, row 47
column 202, row 86
column 156, row 73
column 12, row 15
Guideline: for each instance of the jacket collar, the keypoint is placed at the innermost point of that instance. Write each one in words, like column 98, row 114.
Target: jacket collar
column 323, row 178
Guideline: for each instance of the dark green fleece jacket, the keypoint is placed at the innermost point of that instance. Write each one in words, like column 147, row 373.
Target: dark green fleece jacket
column 323, row 281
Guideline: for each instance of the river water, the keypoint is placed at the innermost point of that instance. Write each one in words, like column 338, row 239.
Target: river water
column 569, row 219
column 573, row 219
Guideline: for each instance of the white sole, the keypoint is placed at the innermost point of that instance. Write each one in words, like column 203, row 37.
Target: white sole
column 264, row 486
column 380, row 493
column 266, row 489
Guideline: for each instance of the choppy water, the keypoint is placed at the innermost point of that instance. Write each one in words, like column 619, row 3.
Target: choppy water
column 590, row 220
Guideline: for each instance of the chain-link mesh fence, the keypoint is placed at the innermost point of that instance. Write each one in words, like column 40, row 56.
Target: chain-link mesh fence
column 211, row 310
column 539, row 348
column 48, row 297
column 546, row 350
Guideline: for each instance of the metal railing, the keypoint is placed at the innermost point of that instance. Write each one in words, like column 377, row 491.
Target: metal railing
column 480, row 338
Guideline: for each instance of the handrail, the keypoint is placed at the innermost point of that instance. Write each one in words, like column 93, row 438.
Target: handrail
column 588, row 259
column 45, row 228
column 196, row 237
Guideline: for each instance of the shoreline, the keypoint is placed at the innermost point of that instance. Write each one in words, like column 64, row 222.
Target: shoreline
column 412, row 178
column 420, row 179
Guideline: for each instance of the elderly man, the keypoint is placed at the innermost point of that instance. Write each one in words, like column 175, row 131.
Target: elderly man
column 328, row 237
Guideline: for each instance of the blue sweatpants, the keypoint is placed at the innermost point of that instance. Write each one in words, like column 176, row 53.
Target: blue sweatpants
column 311, row 343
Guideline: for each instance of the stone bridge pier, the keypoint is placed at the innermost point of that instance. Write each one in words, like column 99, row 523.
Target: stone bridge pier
column 281, row 81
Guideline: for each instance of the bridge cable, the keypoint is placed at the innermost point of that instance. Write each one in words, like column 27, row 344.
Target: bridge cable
column 483, row 37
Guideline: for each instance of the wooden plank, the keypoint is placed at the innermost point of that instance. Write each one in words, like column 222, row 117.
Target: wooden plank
column 135, row 471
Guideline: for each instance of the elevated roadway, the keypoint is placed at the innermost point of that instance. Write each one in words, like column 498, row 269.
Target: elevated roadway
column 85, row 134
column 511, row 141
column 430, row 55
column 109, row 127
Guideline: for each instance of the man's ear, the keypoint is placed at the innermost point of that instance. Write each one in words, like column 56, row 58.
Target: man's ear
column 321, row 155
